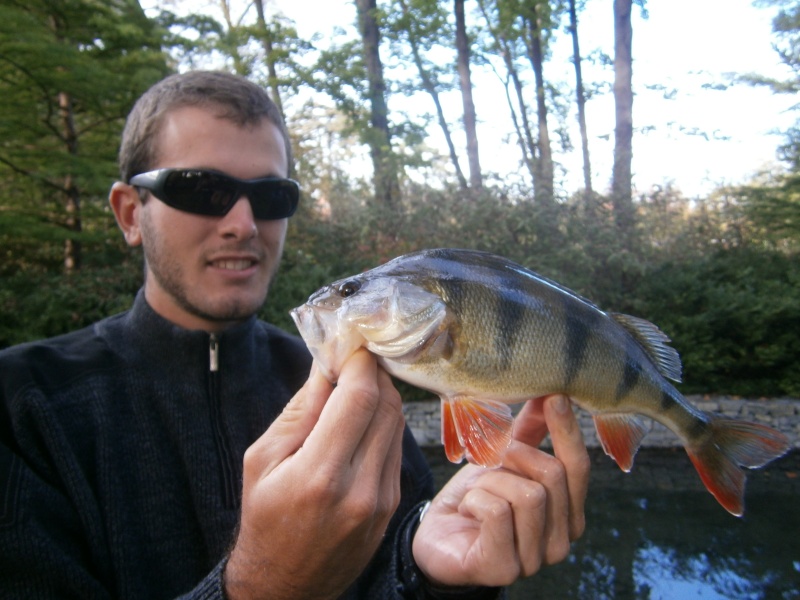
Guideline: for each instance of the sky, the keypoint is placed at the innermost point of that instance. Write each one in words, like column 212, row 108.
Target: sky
column 692, row 137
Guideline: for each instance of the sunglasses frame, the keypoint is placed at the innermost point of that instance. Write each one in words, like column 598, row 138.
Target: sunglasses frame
column 157, row 182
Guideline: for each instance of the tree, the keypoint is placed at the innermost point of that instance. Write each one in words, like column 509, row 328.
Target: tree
column 379, row 136
column 621, row 184
column 580, row 98
column 501, row 28
column 465, row 81
column 536, row 16
column 422, row 24
column 773, row 202
column 268, row 43
column 69, row 73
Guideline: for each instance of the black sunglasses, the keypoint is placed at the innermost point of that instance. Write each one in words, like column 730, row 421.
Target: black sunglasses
column 211, row 193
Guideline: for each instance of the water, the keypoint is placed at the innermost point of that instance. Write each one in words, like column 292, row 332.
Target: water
column 656, row 534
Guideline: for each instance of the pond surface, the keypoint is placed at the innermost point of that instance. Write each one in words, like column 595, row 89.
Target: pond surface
column 655, row 533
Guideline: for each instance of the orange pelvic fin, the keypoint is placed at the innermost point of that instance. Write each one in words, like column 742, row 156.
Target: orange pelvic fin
column 734, row 444
column 620, row 435
column 479, row 430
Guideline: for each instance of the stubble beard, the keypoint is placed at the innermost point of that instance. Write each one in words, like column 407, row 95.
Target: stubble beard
column 168, row 274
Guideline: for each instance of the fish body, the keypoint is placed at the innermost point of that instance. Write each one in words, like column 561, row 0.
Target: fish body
column 483, row 333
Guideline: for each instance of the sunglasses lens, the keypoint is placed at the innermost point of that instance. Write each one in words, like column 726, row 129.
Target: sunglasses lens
column 200, row 192
column 274, row 199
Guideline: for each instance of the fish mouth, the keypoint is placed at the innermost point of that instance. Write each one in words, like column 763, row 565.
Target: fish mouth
column 329, row 348
column 308, row 324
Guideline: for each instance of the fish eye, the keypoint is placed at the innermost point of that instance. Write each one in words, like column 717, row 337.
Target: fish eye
column 348, row 288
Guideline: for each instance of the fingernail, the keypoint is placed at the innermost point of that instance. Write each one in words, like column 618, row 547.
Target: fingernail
column 560, row 404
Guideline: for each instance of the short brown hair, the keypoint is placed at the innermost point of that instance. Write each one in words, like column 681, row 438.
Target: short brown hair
column 237, row 99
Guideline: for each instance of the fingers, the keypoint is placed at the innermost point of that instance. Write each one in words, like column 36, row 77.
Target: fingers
column 570, row 449
column 529, row 426
column 363, row 412
column 320, row 486
column 510, row 508
column 289, row 431
column 563, row 477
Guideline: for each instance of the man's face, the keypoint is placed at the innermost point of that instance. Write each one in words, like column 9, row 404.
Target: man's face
column 209, row 272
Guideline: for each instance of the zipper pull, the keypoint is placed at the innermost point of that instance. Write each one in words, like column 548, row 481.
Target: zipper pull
column 213, row 353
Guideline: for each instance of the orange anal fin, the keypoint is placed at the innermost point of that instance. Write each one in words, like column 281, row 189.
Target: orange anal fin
column 620, row 436
column 452, row 446
column 731, row 445
column 483, row 429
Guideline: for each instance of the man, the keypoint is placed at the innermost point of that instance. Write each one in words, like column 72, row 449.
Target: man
column 183, row 448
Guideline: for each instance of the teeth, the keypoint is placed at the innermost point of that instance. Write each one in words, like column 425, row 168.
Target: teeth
column 234, row 265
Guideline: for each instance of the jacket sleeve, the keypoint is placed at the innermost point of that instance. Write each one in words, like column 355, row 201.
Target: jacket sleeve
column 412, row 584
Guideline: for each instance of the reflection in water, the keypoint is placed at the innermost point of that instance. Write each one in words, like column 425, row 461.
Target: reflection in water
column 657, row 534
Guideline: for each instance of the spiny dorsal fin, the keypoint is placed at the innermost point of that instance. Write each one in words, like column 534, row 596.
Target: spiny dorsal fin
column 655, row 342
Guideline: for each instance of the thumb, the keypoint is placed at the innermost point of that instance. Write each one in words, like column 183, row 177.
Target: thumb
column 289, row 431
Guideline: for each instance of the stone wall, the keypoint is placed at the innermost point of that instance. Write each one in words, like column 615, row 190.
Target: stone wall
column 782, row 413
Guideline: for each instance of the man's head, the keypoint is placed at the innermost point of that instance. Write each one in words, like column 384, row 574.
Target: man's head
column 203, row 272
column 229, row 96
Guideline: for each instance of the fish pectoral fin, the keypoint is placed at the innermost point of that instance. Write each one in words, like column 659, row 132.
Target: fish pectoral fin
column 477, row 429
column 620, row 435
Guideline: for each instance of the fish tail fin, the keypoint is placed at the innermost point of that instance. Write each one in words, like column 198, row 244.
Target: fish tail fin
column 731, row 445
column 477, row 429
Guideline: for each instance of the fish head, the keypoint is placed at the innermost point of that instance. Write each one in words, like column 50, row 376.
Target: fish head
column 392, row 317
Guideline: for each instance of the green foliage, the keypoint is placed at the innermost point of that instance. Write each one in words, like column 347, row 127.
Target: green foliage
column 69, row 73
column 773, row 207
column 734, row 316
column 39, row 305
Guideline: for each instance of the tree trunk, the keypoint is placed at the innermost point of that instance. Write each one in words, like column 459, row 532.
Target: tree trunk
column 430, row 86
column 470, row 120
column 581, row 99
column 231, row 43
column 72, row 246
column 269, row 56
column 387, row 188
column 544, row 191
column 621, row 185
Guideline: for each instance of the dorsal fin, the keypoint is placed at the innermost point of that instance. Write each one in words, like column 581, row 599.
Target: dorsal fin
column 655, row 342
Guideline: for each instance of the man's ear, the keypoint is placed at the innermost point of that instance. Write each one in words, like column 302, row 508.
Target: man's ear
column 127, row 205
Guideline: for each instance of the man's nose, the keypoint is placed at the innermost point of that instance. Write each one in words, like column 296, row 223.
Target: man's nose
column 239, row 222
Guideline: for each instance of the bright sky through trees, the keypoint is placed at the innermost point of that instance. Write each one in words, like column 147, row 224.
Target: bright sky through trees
column 687, row 131
column 693, row 127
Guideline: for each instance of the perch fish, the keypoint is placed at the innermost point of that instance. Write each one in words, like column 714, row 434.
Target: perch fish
column 483, row 333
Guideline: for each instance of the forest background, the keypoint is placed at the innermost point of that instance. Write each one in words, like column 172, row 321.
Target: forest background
column 719, row 274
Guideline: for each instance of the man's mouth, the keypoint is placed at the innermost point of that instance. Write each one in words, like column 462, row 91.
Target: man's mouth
column 234, row 265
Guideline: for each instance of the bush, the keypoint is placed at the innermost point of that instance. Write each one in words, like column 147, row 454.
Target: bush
column 735, row 318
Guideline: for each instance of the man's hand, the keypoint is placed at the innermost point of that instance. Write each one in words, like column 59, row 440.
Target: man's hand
column 320, row 487
column 490, row 527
